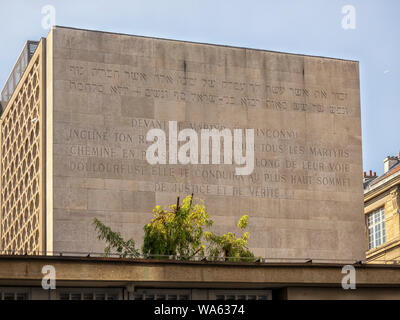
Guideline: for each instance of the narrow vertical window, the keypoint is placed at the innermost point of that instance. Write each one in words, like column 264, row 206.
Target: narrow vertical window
column 376, row 228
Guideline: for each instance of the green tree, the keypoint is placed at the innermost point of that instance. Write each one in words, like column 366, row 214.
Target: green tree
column 115, row 241
column 177, row 230
column 229, row 246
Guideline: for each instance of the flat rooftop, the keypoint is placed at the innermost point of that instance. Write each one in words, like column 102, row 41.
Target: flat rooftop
column 27, row 269
column 209, row 44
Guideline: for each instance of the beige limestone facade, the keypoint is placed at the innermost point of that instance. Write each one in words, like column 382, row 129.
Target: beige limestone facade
column 102, row 92
column 382, row 195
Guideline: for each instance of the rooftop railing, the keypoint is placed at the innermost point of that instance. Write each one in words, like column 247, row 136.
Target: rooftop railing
column 17, row 72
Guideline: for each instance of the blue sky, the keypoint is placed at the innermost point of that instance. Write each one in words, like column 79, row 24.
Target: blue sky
column 299, row 26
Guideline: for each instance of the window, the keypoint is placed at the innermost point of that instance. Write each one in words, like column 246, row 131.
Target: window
column 241, row 295
column 13, row 294
column 376, row 228
column 90, row 294
column 162, row 294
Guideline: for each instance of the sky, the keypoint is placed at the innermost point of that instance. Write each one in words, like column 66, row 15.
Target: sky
column 312, row 27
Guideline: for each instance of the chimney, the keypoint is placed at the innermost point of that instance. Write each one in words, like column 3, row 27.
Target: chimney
column 368, row 177
column 389, row 162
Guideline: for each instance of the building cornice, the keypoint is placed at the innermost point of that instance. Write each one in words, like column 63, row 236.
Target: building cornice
column 374, row 253
column 149, row 272
column 381, row 187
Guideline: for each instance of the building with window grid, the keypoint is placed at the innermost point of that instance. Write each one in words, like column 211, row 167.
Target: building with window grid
column 382, row 212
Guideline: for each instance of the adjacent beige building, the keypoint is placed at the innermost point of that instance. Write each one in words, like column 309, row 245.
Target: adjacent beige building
column 381, row 208
column 73, row 144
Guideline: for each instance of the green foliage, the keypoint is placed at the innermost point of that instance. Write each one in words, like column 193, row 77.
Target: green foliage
column 115, row 241
column 229, row 246
column 177, row 230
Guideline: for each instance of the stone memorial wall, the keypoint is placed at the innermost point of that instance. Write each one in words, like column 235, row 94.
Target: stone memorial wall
column 304, row 195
